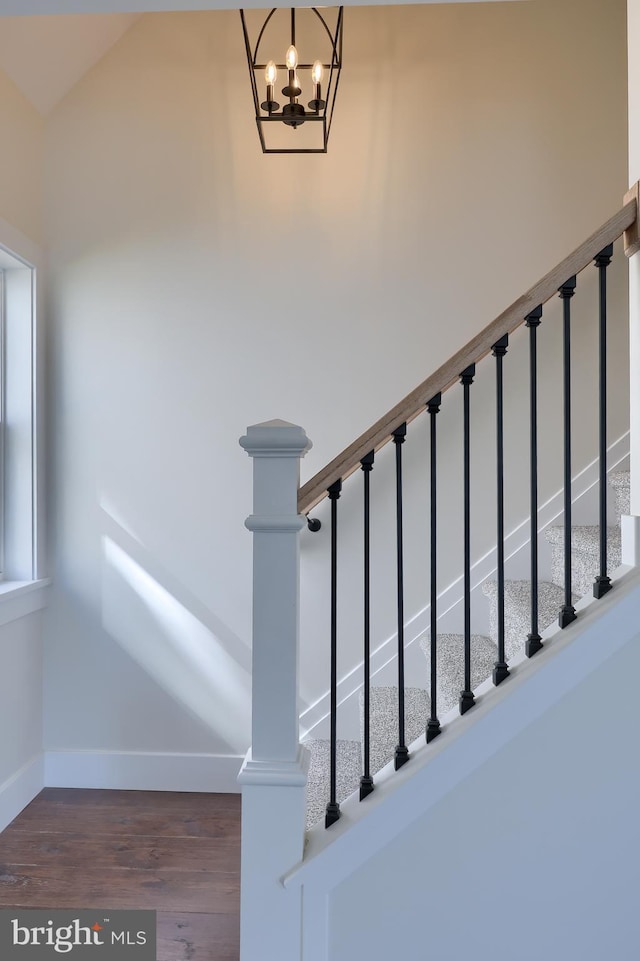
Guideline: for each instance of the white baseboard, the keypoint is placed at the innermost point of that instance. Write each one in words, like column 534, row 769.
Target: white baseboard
column 313, row 721
column 20, row 789
column 142, row 771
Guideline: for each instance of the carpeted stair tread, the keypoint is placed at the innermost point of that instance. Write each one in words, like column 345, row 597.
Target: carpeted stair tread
column 517, row 610
column 348, row 771
column 450, row 665
column 585, row 538
column 384, row 721
column 620, row 483
column 585, row 555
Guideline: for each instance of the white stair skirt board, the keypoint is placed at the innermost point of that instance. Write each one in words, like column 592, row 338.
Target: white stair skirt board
column 140, row 771
column 585, row 543
column 314, row 720
column 20, row 789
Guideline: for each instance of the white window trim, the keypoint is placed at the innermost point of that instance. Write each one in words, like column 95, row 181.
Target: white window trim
column 23, row 557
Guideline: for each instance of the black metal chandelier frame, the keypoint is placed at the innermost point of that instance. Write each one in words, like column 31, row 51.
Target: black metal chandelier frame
column 294, row 114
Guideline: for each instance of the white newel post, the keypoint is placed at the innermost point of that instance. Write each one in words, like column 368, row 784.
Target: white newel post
column 631, row 525
column 274, row 774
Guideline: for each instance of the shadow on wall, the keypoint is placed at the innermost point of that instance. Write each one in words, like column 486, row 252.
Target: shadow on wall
column 174, row 638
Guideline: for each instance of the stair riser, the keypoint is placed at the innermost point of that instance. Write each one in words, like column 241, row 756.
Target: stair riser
column 516, row 627
column 517, row 612
column 450, row 666
column 620, row 485
column 585, row 566
column 348, row 764
column 383, row 723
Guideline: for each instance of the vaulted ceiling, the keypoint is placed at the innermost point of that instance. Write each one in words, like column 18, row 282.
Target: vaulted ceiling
column 21, row 7
column 47, row 45
column 46, row 56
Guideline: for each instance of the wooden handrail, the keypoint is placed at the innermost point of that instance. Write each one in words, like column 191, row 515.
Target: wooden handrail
column 478, row 347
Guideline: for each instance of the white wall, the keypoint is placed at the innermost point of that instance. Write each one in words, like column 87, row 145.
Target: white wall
column 184, row 309
column 633, row 42
column 534, row 855
column 21, row 173
column 633, row 59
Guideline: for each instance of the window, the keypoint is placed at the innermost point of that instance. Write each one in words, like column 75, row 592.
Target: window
column 21, row 495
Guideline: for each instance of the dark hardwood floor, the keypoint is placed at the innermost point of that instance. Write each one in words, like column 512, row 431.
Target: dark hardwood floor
column 178, row 854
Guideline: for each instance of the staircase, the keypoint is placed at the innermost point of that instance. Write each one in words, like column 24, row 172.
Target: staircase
column 585, row 541
column 289, row 874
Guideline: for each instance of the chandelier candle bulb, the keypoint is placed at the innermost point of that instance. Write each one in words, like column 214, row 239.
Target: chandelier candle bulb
column 291, row 61
column 270, row 76
column 292, row 58
column 316, row 75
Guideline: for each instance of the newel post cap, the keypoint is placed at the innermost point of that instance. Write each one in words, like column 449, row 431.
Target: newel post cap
column 275, row 438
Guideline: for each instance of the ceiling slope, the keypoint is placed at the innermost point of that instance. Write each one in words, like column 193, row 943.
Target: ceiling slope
column 46, row 56
column 22, row 7
column 53, row 43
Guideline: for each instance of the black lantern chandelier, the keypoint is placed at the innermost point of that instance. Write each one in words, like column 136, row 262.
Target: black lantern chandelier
column 295, row 127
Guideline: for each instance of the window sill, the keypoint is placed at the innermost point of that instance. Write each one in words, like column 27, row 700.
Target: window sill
column 20, row 598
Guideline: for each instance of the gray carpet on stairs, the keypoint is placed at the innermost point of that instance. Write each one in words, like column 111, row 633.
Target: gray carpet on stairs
column 585, row 555
column 348, row 770
column 384, row 700
column 450, row 665
column 384, row 721
column 517, row 610
column 620, row 482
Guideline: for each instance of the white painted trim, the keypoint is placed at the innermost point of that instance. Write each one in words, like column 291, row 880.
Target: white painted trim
column 142, row 771
column 630, row 526
column 634, row 357
column 20, row 789
column 275, row 523
column 17, row 244
column 23, row 441
column 275, row 448
column 315, row 922
column 535, row 686
column 276, row 773
column 451, row 597
column 21, row 598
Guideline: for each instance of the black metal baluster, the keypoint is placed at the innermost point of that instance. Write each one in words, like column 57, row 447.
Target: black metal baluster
column 433, row 724
column 568, row 611
column 500, row 670
column 534, row 641
column 366, row 781
column 467, row 699
column 402, row 751
column 333, row 808
column 603, row 582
